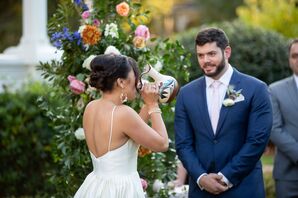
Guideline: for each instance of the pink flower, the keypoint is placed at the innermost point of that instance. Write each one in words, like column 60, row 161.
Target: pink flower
column 144, row 184
column 76, row 86
column 85, row 15
column 142, row 31
column 96, row 22
column 122, row 9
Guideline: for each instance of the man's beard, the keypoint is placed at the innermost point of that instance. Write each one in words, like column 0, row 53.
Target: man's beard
column 218, row 70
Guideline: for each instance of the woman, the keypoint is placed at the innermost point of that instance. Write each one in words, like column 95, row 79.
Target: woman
column 114, row 131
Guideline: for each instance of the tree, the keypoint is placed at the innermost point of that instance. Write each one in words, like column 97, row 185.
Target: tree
column 214, row 10
column 278, row 15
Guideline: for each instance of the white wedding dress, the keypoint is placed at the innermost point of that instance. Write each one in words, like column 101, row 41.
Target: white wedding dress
column 114, row 174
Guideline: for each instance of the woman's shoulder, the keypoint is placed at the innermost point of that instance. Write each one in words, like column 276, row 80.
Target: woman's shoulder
column 91, row 105
column 124, row 110
column 125, row 116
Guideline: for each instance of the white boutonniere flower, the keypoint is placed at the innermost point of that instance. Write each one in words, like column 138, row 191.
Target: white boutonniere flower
column 228, row 102
column 233, row 96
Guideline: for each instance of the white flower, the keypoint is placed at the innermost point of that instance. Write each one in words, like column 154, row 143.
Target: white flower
column 87, row 61
column 228, row 102
column 171, row 185
column 80, row 104
column 157, row 185
column 158, row 66
column 81, row 28
column 112, row 50
column 79, row 133
column 111, row 30
column 90, row 89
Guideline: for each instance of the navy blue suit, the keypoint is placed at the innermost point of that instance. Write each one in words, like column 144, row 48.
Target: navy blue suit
column 242, row 134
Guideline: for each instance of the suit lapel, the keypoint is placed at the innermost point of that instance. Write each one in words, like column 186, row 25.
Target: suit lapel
column 235, row 79
column 203, row 107
column 293, row 91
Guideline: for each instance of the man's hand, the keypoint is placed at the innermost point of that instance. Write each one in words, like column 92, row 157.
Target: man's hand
column 213, row 184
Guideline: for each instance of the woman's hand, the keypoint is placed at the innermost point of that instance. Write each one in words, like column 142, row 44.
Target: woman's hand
column 150, row 94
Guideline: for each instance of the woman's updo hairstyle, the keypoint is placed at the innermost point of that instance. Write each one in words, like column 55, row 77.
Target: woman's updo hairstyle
column 107, row 68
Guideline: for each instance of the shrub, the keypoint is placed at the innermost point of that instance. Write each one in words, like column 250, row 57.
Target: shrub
column 260, row 53
column 25, row 137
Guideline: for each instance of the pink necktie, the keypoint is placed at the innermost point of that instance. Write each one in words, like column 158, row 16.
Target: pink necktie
column 215, row 104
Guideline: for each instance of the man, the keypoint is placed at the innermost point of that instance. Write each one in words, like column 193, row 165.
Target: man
column 222, row 124
column 284, row 134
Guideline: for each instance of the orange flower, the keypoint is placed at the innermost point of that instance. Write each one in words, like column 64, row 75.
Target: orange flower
column 90, row 35
column 139, row 42
column 143, row 151
column 122, row 9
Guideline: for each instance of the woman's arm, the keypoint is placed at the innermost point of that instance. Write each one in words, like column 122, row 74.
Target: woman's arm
column 144, row 113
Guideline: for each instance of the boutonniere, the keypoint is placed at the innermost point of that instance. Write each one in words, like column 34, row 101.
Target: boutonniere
column 233, row 96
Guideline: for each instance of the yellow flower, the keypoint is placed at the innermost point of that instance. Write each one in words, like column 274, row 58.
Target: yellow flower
column 122, row 9
column 139, row 42
column 90, row 35
column 143, row 151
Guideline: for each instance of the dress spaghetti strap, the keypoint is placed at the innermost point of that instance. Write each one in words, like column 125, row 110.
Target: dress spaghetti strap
column 111, row 129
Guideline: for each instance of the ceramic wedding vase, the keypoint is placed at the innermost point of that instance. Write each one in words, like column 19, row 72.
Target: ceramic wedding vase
column 169, row 86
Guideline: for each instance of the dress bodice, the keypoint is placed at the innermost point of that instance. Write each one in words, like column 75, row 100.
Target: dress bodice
column 121, row 161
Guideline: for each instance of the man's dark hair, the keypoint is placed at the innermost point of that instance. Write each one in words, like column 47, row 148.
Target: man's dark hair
column 210, row 35
column 291, row 43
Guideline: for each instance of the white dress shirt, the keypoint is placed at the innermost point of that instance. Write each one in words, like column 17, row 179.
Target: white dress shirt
column 224, row 80
column 296, row 79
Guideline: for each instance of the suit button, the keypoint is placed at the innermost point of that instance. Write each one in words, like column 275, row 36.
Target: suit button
column 215, row 141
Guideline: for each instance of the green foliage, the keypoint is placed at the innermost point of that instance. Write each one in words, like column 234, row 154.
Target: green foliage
column 255, row 51
column 267, row 160
column 278, row 15
column 269, row 185
column 209, row 10
column 159, row 166
column 25, row 142
column 10, row 23
column 70, row 154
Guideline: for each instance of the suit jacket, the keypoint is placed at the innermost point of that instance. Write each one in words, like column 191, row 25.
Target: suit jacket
column 284, row 98
column 242, row 134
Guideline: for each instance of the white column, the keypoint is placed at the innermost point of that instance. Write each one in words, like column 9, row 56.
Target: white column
column 34, row 22
column 17, row 64
column 34, row 45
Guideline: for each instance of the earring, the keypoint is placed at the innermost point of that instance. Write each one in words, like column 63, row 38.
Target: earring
column 123, row 97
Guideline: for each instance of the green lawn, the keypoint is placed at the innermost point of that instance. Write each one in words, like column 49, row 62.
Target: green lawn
column 267, row 159
column 269, row 182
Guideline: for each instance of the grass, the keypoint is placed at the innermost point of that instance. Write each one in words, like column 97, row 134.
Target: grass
column 267, row 159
